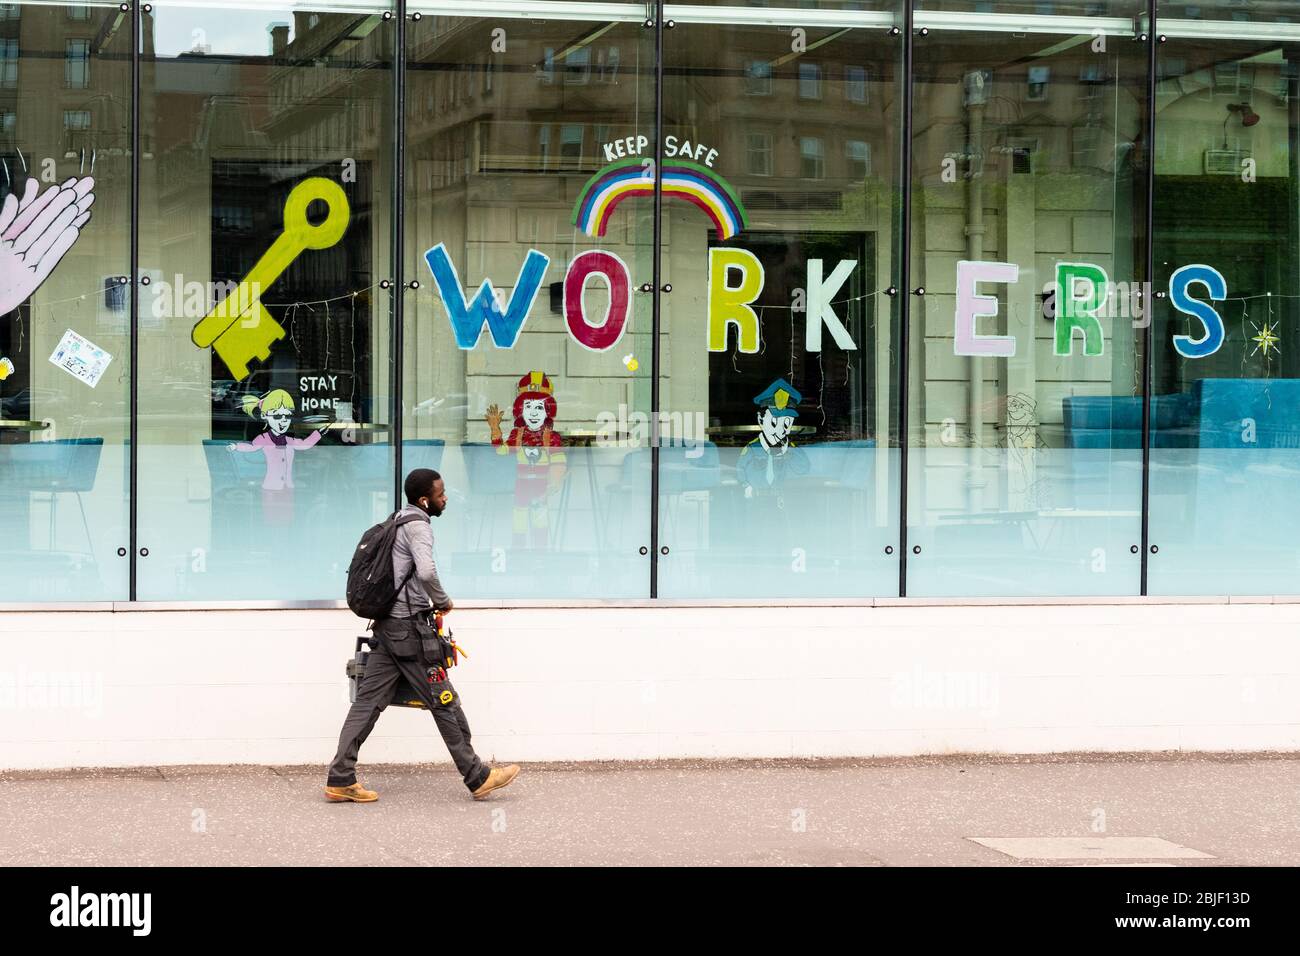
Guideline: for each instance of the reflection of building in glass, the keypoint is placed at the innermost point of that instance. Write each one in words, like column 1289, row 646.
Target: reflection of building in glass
column 1028, row 146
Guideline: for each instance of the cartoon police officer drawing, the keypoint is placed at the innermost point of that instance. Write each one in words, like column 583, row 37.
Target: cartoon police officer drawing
column 771, row 458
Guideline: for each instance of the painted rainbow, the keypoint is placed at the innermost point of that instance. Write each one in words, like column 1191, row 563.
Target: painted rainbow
column 697, row 184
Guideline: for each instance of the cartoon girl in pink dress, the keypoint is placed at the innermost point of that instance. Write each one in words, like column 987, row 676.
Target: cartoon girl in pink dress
column 276, row 409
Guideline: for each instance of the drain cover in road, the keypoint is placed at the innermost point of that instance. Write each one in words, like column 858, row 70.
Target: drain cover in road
column 1090, row 848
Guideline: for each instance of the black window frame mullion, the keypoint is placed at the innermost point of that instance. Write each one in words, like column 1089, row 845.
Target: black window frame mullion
column 133, row 400
column 397, row 290
column 655, row 301
column 903, row 293
column 1150, row 299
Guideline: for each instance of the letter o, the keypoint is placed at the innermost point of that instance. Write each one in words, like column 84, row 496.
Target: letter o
column 602, row 336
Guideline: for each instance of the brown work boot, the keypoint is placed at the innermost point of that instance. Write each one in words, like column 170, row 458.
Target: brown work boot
column 498, row 777
column 355, row 792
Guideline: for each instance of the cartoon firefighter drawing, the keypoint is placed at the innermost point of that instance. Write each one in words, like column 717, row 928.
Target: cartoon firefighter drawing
column 539, row 456
column 770, row 458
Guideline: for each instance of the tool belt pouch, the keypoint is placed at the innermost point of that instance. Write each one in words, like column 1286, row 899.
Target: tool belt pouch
column 429, row 644
column 403, row 643
column 448, row 650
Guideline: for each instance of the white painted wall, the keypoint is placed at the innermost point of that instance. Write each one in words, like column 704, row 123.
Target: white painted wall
column 189, row 687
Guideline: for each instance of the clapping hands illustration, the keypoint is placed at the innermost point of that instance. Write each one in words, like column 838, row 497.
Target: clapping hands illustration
column 36, row 231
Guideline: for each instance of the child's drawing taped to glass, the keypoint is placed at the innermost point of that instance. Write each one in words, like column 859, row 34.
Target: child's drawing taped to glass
column 36, row 231
column 539, row 454
column 239, row 329
column 767, row 461
column 276, row 408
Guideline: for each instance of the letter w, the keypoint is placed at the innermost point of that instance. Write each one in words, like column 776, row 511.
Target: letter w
column 468, row 318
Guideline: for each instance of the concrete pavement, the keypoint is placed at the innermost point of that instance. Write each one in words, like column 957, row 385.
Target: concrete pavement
column 1196, row 809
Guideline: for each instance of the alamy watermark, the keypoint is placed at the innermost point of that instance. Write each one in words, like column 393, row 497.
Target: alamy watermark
column 628, row 428
column 1117, row 300
column 920, row 689
column 53, row 690
column 194, row 300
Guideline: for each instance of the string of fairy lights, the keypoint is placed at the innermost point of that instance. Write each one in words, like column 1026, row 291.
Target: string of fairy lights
column 1266, row 333
column 49, row 311
column 1266, row 337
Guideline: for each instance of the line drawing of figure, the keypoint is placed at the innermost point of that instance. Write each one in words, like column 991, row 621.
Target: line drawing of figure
column 1022, row 442
column 36, row 231
column 275, row 408
column 769, row 459
column 539, row 453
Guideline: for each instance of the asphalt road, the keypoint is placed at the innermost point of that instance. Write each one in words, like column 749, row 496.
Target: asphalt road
column 1181, row 810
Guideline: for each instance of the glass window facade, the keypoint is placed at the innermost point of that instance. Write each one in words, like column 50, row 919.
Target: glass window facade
column 714, row 300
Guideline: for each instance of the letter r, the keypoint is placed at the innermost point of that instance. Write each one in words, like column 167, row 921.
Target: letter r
column 730, row 304
column 1075, row 311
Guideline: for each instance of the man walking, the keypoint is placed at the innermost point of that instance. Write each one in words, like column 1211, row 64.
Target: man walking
column 397, row 655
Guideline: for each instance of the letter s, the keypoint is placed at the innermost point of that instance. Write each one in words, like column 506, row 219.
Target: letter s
column 1179, row 295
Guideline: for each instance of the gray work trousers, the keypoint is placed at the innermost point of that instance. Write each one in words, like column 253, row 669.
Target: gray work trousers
column 374, row 694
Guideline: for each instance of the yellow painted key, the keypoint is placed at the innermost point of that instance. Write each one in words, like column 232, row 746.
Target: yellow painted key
column 239, row 329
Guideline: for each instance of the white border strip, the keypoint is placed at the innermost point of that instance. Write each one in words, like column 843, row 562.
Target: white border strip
column 777, row 16
column 1227, row 30
column 100, row 4
column 375, row 8
column 635, row 12
column 126, row 607
column 531, row 10
column 1023, row 23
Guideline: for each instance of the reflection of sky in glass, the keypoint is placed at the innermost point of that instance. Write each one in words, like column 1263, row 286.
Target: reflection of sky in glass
column 220, row 32
column 244, row 29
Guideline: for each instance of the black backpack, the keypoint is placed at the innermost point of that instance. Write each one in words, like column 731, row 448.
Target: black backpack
column 371, row 588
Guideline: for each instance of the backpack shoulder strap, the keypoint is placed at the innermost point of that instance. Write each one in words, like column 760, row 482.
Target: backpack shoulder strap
column 401, row 519
column 402, row 587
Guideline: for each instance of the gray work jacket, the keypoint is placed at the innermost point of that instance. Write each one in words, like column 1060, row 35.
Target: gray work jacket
column 414, row 545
